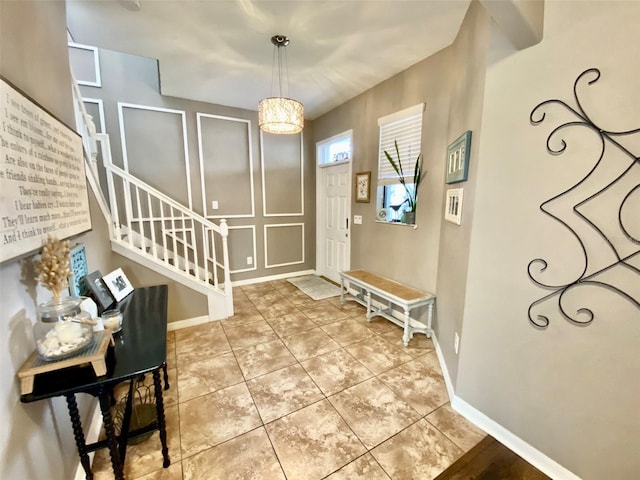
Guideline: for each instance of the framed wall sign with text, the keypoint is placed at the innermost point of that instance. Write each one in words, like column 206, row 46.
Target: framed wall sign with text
column 43, row 184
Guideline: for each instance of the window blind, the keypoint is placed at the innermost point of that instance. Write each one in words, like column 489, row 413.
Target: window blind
column 405, row 127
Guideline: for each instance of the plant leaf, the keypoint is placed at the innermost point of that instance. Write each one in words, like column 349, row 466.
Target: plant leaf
column 395, row 166
column 417, row 173
column 395, row 142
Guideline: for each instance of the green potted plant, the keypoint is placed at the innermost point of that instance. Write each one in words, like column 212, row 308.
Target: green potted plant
column 412, row 194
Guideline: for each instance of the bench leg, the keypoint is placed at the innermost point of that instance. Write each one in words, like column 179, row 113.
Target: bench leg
column 407, row 334
column 369, row 315
column 429, row 319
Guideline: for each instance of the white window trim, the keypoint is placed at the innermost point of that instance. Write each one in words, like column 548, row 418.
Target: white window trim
column 399, row 115
column 408, row 123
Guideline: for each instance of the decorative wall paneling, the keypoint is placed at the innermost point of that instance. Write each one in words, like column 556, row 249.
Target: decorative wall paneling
column 288, row 236
column 95, row 108
column 98, row 120
column 161, row 143
column 237, row 254
column 155, row 139
column 219, row 142
column 85, row 64
column 282, row 162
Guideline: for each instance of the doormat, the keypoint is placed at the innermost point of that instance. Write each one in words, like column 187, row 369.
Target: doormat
column 316, row 287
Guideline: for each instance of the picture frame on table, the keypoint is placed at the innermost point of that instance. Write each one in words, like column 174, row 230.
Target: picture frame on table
column 79, row 269
column 96, row 289
column 457, row 168
column 118, row 284
column 363, row 187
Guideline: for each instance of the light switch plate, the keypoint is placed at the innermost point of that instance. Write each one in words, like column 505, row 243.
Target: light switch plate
column 214, row 204
column 357, row 219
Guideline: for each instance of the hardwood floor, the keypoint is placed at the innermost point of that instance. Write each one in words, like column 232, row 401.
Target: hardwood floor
column 490, row 460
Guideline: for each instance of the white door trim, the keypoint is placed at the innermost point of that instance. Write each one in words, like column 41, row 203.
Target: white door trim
column 320, row 196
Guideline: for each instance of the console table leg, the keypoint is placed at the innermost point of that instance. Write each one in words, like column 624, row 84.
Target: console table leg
column 341, row 291
column 78, row 434
column 369, row 306
column 166, row 377
column 161, row 421
column 110, row 431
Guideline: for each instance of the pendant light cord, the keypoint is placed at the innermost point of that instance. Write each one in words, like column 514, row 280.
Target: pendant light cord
column 277, row 65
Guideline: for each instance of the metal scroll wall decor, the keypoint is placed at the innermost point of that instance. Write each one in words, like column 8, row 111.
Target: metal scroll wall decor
column 620, row 246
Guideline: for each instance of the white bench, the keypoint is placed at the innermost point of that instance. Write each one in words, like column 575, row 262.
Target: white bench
column 393, row 293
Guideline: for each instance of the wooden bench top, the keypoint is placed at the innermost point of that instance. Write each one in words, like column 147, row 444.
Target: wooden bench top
column 392, row 287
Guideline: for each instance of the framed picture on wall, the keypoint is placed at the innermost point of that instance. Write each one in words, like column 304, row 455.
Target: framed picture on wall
column 363, row 187
column 453, row 206
column 458, row 159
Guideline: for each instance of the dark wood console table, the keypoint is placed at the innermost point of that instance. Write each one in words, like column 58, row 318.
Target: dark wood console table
column 140, row 348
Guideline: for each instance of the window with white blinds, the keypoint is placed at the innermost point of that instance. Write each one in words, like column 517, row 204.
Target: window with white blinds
column 405, row 127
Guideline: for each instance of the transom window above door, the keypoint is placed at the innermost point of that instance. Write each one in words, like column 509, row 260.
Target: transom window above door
column 335, row 149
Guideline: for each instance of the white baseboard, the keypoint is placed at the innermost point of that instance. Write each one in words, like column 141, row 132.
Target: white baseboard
column 192, row 322
column 189, row 322
column 280, row 276
column 532, row 455
column 443, row 366
column 92, row 435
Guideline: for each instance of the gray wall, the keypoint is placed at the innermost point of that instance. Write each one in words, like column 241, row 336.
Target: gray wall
column 573, row 393
column 36, row 440
column 434, row 256
column 158, row 158
column 469, row 53
column 397, row 251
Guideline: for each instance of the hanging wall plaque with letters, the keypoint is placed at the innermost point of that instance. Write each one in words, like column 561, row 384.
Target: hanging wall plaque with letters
column 43, row 190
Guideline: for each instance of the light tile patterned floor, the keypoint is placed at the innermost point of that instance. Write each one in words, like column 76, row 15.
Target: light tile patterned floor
column 296, row 389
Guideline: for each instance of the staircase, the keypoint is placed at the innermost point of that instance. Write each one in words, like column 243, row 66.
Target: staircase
column 149, row 228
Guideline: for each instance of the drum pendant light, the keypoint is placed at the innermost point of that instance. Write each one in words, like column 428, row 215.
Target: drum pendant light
column 280, row 114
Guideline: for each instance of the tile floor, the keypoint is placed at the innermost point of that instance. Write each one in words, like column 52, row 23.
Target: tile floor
column 297, row 389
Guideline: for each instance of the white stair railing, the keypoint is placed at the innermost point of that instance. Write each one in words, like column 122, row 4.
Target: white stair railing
column 155, row 227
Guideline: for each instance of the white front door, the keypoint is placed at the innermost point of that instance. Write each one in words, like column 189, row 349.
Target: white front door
column 334, row 239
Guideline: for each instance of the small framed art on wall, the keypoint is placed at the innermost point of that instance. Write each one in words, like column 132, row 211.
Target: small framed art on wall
column 363, row 187
column 458, row 159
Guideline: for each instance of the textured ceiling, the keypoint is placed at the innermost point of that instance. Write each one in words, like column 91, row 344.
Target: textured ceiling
column 220, row 51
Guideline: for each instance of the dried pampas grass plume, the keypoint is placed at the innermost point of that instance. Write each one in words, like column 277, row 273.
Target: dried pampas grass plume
column 53, row 267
